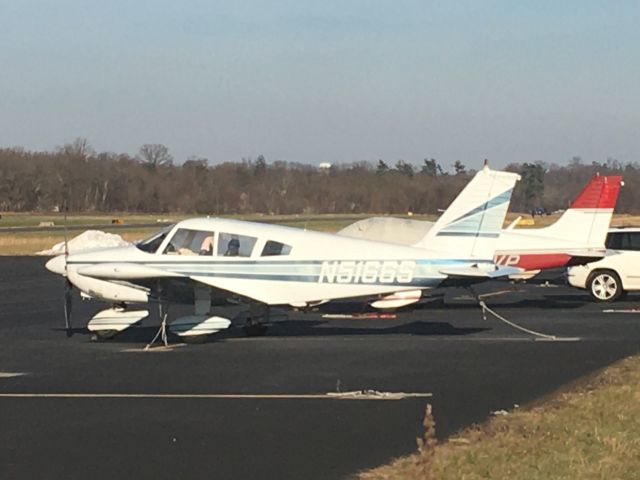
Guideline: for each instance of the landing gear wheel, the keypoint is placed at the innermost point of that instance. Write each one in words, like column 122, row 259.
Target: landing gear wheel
column 255, row 330
column 605, row 285
column 101, row 335
column 194, row 339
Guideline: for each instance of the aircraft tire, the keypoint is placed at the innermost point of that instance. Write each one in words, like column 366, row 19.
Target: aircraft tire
column 194, row 339
column 105, row 334
column 256, row 330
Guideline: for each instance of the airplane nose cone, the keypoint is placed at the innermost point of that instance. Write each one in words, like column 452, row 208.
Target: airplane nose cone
column 56, row 265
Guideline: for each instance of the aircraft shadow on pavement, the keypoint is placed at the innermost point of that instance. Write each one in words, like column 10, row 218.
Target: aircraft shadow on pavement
column 454, row 300
column 296, row 328
column 293, row 328
column 562, row 302
column 463, row 301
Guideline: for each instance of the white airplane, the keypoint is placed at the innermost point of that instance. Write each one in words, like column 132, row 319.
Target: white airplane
column 577, row 237
column 276, row 265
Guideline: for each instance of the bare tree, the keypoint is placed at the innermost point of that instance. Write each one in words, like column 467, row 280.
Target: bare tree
column 83, row 180
column 459, row 168
column 431, row 167
column 79, row 148
column 155, row 155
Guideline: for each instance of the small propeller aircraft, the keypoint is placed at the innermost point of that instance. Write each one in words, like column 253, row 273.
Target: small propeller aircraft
column 576, row 238
column 277, row 265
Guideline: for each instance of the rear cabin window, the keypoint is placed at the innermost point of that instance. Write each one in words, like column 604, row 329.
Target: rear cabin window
column 233, row 245
column 190, row 242
column 272, row 248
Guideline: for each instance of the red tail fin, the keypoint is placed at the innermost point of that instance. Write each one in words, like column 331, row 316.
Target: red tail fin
column 600, row 192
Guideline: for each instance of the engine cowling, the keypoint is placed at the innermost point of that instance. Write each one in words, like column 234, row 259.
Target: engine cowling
column 109, row 291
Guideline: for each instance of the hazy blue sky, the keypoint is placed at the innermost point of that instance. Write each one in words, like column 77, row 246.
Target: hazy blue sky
column 332, row 81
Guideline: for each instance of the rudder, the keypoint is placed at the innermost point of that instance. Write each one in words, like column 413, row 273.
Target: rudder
column 471, row 225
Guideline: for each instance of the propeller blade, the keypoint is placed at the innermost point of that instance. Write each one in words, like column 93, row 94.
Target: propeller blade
column 66, row 242
column 68, row 303
column 68, row 287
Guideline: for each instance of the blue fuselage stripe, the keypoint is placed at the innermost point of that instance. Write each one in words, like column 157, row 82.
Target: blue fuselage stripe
column 423, row 272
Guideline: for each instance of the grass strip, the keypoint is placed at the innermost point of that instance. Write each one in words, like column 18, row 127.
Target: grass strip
column 590, row 430
column 27, row 243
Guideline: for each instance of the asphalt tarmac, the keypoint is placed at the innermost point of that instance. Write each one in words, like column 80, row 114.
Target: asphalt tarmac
column 471, row 366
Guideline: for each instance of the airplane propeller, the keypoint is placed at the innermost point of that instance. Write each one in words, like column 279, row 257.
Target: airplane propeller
column 68, row 286
column 68, row 303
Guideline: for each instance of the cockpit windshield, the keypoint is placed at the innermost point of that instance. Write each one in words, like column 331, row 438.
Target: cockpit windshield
column 152, row 243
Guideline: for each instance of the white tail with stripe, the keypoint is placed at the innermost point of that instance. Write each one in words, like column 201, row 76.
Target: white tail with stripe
column 471, row 225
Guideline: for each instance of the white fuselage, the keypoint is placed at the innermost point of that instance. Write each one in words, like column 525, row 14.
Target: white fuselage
column 316, row 266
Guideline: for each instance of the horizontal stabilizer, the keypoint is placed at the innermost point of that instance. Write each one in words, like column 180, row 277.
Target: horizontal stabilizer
column 591, row 253
column 476, row 272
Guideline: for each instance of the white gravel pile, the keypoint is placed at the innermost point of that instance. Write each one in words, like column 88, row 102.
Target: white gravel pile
column 89, row 240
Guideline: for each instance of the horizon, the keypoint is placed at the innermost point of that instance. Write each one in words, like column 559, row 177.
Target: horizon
column 446, row 167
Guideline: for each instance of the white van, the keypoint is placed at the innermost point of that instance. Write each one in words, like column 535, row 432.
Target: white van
column 617, row 273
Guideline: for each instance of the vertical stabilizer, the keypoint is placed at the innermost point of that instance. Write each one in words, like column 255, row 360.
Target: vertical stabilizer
column 471, row 226
column 586, row 221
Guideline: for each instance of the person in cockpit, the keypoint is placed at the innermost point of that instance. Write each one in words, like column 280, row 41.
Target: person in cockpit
column 233, row 248
column 207, row 246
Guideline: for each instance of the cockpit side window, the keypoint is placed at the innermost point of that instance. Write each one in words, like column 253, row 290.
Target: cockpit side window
column 233, row 245
column 153, row 242
column 190, row 242
column 272, row 248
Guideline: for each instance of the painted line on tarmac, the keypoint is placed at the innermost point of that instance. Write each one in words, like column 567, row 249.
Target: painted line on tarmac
column 356, row 395
column 557, row 339
column 11, row 374
column 400, row 337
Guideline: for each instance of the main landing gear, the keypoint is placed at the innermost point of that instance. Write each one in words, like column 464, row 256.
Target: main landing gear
column 257, row 318
column 106, row 324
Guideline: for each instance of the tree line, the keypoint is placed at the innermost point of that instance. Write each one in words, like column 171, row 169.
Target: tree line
column 78, row 178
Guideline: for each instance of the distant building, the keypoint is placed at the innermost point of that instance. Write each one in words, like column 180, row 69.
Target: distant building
column 324, row 166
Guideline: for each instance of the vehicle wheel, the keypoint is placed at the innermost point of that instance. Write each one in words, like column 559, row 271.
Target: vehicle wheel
column 255, row 330
column 605, row 285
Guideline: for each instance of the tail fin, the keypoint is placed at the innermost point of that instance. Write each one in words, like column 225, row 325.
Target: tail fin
column 586, row 222
column 471, row 226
